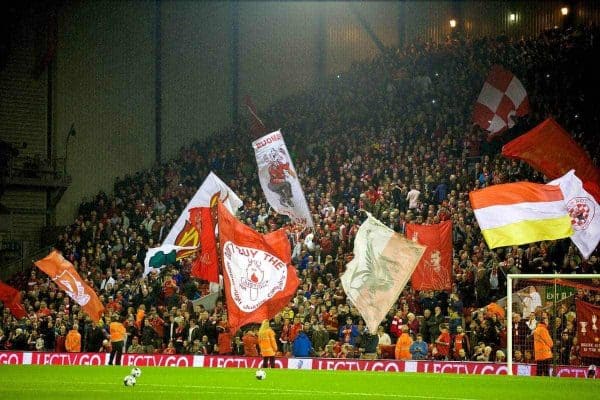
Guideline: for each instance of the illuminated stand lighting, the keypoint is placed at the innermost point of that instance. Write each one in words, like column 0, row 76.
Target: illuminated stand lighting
column 452, row 23
column 564, row 10
column 512, row 17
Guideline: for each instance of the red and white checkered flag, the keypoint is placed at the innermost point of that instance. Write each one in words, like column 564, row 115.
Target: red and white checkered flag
column 502, row 97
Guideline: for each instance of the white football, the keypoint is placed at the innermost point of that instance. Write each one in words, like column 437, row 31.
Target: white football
column 129, row 380
column 261, row 374
column 136, row 372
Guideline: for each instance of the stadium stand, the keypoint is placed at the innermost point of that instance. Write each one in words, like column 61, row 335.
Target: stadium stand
column 399, row 121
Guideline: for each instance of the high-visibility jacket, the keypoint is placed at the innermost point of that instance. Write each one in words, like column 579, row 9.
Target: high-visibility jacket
column 403, row 347
column 542, row 343
column 267, row 343
column 117, row 332
column 73, row 341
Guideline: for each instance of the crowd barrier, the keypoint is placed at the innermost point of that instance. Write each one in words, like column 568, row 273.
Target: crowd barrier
column 201, row 361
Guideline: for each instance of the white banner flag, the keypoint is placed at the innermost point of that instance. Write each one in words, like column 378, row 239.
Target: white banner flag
column 184, row 238
column 279, row 180
column 583, row 210
column 382, row 265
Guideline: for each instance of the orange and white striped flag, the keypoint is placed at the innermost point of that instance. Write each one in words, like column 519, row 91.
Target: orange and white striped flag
column 66, row 278
column 518, row 213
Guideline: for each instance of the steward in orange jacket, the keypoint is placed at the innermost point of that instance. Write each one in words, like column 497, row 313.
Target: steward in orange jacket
column 73, row 340
column 542, row 348
column 267, row 344
column 403, row 345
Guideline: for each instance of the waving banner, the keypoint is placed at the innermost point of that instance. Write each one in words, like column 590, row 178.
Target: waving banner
column 502, row 97
column 434, row 272
column 206, row 264
column 549, row 137
column 64, row 275
column 259, row 280
column 184, row 237
column 11, row 298
column 512, row 214
column 279, row 180
column 584, row 212
column 383, row 263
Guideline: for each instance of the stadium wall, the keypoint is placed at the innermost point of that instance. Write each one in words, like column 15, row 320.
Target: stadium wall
column 104, row 83
column 23, row 124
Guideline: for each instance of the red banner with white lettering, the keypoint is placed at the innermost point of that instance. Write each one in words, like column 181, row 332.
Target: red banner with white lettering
column 434, row 271
column 330, row 364
column 259, row 279
column 588, row 329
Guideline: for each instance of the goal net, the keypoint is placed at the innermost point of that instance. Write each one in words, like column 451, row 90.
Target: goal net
column 571, row 306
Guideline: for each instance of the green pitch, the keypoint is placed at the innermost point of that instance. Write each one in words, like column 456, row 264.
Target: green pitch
column 162, row 383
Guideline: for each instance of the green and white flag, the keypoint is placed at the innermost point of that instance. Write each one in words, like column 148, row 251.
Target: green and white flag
column 159, row 257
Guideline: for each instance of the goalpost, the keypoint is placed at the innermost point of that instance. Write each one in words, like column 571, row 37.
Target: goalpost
column 555, row 293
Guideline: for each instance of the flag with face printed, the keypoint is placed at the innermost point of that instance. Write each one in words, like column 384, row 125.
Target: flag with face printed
column 383, row 263
column 279, row 179
column 502, row 97
column 434, row 272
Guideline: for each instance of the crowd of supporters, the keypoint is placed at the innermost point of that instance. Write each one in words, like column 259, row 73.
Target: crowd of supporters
column 392, row 136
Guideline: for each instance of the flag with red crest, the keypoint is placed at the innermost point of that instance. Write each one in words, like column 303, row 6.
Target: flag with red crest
column 259, row 279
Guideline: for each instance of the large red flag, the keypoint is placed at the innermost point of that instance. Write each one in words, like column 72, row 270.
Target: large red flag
column 434, row 271
column 64, row 275
column 11, row 298
column 588, row 329
column 259, row 280
column 206, row 264
column 550, row 149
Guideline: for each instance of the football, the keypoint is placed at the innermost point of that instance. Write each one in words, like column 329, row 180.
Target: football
column 129, row 380
column 136, row 372
column 261, row 374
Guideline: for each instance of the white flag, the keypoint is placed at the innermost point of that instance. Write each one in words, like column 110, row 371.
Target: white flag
column 211, row 190
column 183, row 238
column 279, row 180
column 583, row 210
column 383, row 263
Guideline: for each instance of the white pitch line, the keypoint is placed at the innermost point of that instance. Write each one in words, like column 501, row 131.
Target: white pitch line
column 238, row 390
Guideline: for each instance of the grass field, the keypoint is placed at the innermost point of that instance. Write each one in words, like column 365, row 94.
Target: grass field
column 162, row 383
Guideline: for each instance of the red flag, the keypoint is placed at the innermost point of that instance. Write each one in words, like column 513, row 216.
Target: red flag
column 502, row 97
column 434, row 271
column 11, row 298
column 588, row 329
column 259, row 280
column 549, row 138
column 206, row 264
column 64, row 275
column 257, row 127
